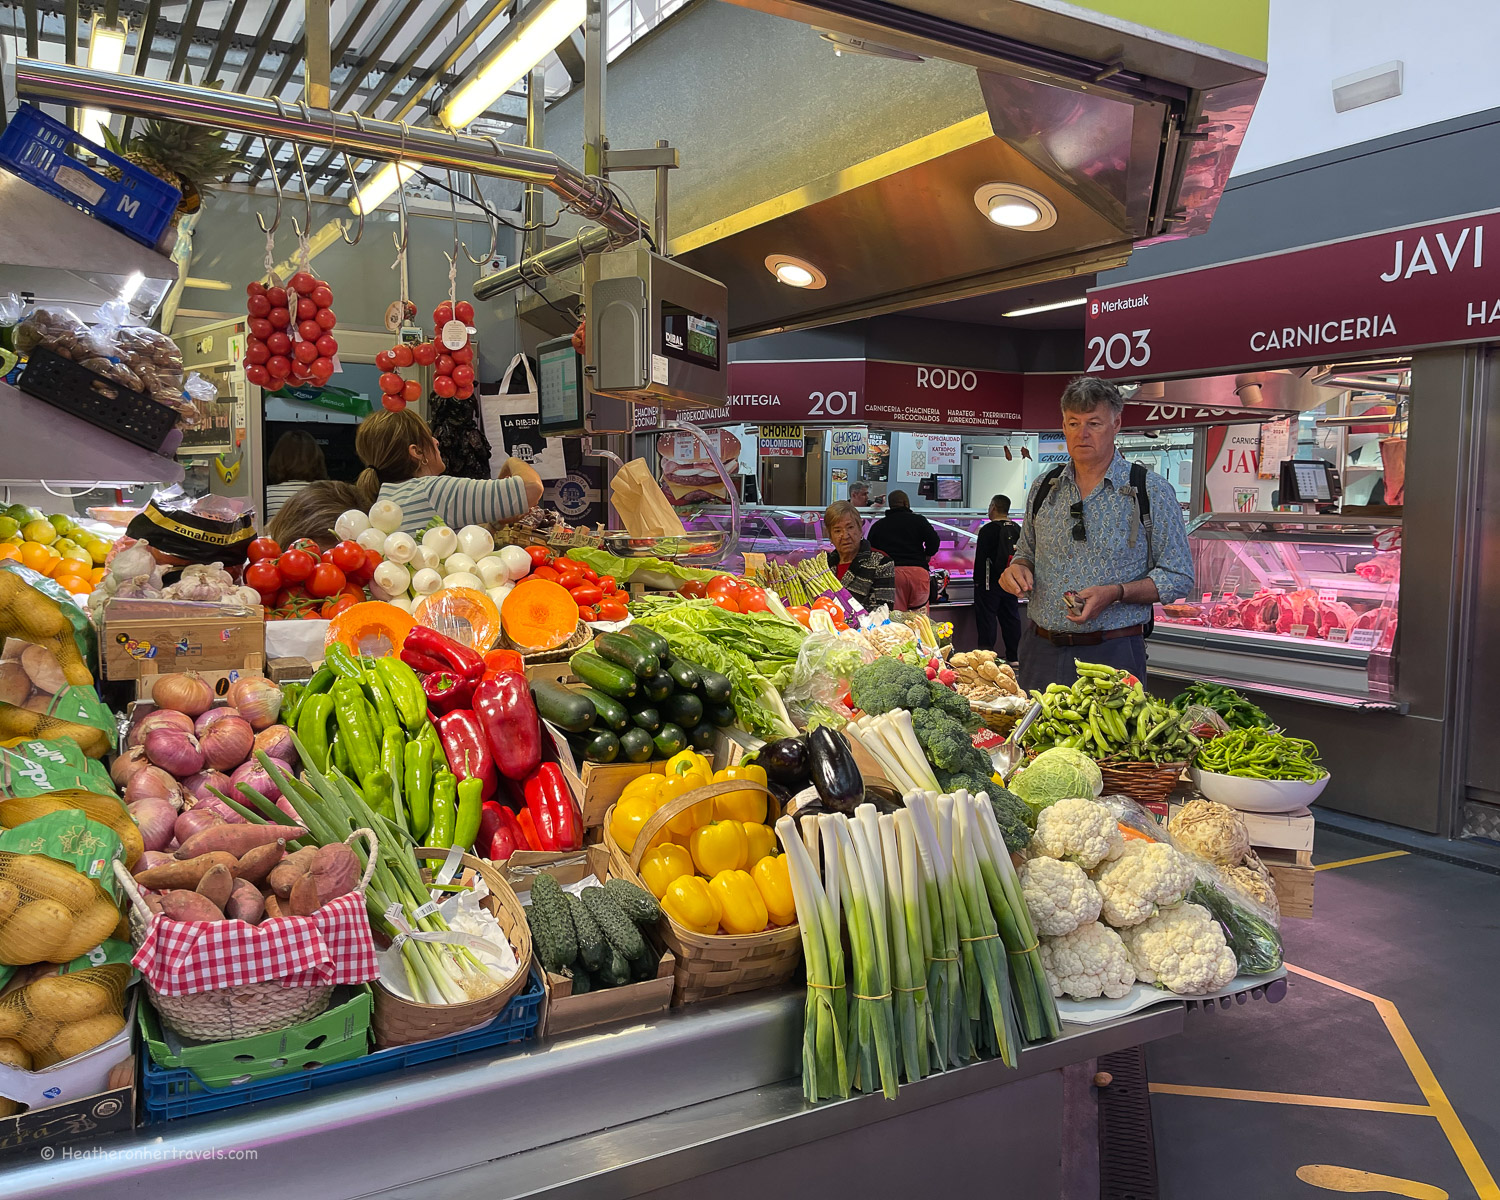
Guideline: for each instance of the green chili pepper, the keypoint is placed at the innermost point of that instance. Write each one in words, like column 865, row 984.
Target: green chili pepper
column 378, row 792
column 356, row 729
column 291, row 701
column 417, row 788
column 405, row 690
column 341, row 661
column 429, row 735
column 339, row 756
column 312, row 727
column 385, row 711
column 466, row 823
column 393, row 752
column 444, row 809
column 321, row 681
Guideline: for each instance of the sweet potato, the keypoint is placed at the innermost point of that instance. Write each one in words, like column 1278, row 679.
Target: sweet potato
column 256, row 864
column 153, row 901
column 237, row 839
column 273, row 908
column 304, row 897
column 183, row 905
column 217, row 884
column 245, row 903
column 187, row 874
column 335, row 869
column 289, row 870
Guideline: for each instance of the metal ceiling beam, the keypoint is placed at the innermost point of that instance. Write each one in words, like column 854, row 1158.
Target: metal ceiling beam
column 222, row 43
column 257, row 53
column 570, row 54
column 143, row 43
column 318, row 62
column 32, row 21
column 185, row 39
column 70, row 32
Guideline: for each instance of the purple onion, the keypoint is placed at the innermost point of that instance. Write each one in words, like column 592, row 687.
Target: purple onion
column 197, row 785
column 127, row 764
column 160, row 718
column 152, row 783
column 252, row 774
column 175, row 752
column 155, row 818
column 212, row 717
column 226, row 744
column 195, row 820
column 276, row 740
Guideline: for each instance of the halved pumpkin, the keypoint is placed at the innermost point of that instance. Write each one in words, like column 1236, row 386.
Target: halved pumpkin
column 539, row 615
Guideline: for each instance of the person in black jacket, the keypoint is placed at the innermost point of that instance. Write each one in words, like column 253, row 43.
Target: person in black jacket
column 992, row 603
column 910, row 540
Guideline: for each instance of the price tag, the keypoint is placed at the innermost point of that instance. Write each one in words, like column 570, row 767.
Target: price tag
column 1208, row 597
column 1362, row 637
column 1338, row 634
column 1227, row 595
column 425, row 911
column 450, row 866
column 455, row 335
column 1298, row 631
column 1328, row 596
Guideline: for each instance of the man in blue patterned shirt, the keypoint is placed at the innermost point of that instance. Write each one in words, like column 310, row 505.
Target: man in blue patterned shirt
column 1089, row 539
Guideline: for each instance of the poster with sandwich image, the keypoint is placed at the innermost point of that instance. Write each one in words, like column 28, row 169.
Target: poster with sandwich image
column 687, row 475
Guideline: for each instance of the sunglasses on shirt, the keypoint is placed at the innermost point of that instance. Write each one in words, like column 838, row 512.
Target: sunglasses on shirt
column 1076, row 512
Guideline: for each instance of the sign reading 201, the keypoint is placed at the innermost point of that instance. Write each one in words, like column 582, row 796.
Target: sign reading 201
column 1118, row 351
column 834, row 404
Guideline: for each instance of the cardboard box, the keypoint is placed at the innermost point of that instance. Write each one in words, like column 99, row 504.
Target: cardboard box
column 145, row 685
column 292, row 669
column 553, row 672
column 176, row 635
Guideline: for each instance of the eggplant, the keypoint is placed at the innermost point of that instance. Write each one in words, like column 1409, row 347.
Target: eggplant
column 785, row 761
column 884, row 797
column 834, row 772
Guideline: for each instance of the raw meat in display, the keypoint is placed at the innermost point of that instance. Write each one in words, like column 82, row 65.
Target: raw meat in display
column 1383, row 568
column 1383, row 621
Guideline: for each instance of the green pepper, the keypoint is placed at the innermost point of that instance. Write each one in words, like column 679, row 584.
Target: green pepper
column 321, row 681
column 378, row 791
column 466, row 823
column 444, row 809
column 429, row 736
column 312, row 727
column 417, row 788
column 291, row 701
column 356, row 729
column 393, row 752
column 341, row 661
column 385, row 711
column 405, row 690
column 339, row 755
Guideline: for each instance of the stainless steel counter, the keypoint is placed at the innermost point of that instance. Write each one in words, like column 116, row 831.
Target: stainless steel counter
column 623, row 1112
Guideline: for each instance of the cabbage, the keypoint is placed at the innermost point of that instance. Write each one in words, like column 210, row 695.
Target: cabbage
column 1057, row 774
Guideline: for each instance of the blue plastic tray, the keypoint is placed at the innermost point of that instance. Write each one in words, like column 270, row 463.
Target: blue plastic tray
column 45, row 152
column 170, row 1094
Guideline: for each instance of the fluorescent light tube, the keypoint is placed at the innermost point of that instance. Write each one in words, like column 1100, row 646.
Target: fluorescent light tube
column 1041, row 308
column 528, row 40
column 375, row 190
column 106, row 53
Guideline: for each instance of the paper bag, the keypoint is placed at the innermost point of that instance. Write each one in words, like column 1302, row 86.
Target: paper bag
column 643, row 509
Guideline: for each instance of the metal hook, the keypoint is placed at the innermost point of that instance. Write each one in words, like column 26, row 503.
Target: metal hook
column 276, row 182
column 401, row 238
column 494, row 225
column 353, row 187
column 306, row 193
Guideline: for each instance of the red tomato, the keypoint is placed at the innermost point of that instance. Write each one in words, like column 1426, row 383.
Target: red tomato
column 296, row 565
column 722, row 585
column 590, row 574
column 261, row 328
column 611, row 609
column 693, row 589
column 464, row 354
column 277, row 296
column 402, row 354
column 307, row 545
column 393, row 403
column 464, row 391
column 327, row 345
column 607, row 584
column 444, row 386
column 463, row 375
column 829, row 605
column 263, row 577
column 278, row 366
column 309, row 331
column 385, row 360
column 391, row 383
column 326, row 556
column 326, row 580
column 725, row 602
column 305, row 352
column 348, row 556
column 464, row 311
column 255, row 288
column 302, row 283
column 326, row 319
column 262, row 547
column 802, row 614
column 280, row 318
column 322, row 368
column 362, row 574
column 322, row 296
column 336, row 605
column 258, row 306
column 442, row 314
column 569, row 578
column 564, row 563
column 588, row 614
column 443, row 365
column 753, row 599
column 544, row 573
column 585, row 593
column 306, row 309
column 257, row 374
column 411, row 391
column 257, row 352
column 424, row 354
column 539, row 555
column 279, row 343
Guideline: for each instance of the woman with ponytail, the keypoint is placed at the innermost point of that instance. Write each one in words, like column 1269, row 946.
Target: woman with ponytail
column 403, row 464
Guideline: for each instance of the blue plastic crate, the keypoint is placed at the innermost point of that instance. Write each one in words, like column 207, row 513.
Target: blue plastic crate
column 44, row 152
column 169, row 1094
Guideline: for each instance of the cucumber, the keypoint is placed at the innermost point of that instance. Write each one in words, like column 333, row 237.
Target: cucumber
column 581, row 981
column 611, row 714
column 607, row 677
column 713, row 687
column 626, row 652
column 657, row 687
column 647, row 717
column 635, row 745
column 651, row 640
column 682, row 708
column 615, row 972
column 683, row 675
column 721, row 715
column 703, row 735
column 600, row 746
column 566, row 709
column 671, row 740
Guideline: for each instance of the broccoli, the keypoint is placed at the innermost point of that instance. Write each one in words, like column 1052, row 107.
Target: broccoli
column 889, row 683
column 968, row 781
column 1016, row 819
column 946, row 742
column 955, row 705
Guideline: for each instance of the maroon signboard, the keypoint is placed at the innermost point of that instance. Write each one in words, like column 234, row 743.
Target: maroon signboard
column 1426, row 285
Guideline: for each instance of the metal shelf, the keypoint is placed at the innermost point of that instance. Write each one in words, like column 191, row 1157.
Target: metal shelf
column 44, row 443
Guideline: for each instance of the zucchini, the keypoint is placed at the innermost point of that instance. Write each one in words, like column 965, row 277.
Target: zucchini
column 683, row 675
column 551, row 926
column 657, row 687
column 600, row 746
column 703, row 735
column 607, row 677
column 636, row 746
column 714, row 688
column 618, row 929
column 593, row 950
column 720, row 715
column 671, row 740
column 616, row 970
column 611, row 714
column 628, row 653
column 647, row 717
column 638, row 904
column 651, row 640
column 566, row 709
column 682, row 708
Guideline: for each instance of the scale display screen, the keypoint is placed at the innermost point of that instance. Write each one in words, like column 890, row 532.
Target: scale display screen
column 689, row 337
column 1308, row 481
column 559, row 388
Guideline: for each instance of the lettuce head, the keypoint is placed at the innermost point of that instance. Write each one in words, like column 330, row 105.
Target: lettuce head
column 1057, row 774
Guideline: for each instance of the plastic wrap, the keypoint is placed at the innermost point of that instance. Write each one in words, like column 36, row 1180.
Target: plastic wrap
column 820, row 679
column 151, row 357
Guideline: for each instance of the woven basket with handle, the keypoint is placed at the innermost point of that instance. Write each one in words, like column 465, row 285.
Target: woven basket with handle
column 235, row 1012
column 710, row 965
column 582, row 636
column 1143, row 782
column 398, row 1021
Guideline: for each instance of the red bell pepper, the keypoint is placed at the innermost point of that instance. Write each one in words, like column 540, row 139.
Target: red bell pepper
column 427, row 650
column 468, row 752
column 508, row 716
column 500, row 835
column 498, row 662
column 528, row 830
column 549, row 803
column 446, row 691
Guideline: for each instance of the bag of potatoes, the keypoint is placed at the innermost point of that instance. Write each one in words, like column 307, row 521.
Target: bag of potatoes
column 58, row 896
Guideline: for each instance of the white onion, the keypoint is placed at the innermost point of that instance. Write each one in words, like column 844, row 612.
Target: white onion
column 492, row 570
column 463, row 579
column 399, row 548
column 226, row 744
column 351, row 524
column 516, row 561
column 372, row 539
column 500, row 592
column 154, row 818
column 426, row 581
column 475, row 541
column 457, row 562
column 257, row 698
column 405, row 603
column 386, row 516
column 441, row 540
column 392, row 577
column 187, row 693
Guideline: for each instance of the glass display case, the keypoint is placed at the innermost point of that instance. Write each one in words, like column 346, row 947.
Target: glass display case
column 1292, row 603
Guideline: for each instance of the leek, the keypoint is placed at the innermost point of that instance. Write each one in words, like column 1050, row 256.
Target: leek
column 875, row 1036
column 824, row 1071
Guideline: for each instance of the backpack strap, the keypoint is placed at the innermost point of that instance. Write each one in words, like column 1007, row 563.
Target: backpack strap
column 1142, row 502
column 1044, row 489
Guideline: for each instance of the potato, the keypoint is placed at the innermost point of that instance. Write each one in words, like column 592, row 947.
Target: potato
column 217, row 883
column 15, row 684
column 35, row 933
column 70, row 997
column 13, row 1054
column 80, row 1036
column 91, row 927
column 10, row 899
column 36, row 1038
column 12, row 1018
column 42, row 876
column 183, row 905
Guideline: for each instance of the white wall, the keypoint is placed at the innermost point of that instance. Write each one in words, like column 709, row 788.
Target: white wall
column 1448, row 48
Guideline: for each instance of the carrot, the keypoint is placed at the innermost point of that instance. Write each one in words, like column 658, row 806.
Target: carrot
column 237, row 839
column 187, row 874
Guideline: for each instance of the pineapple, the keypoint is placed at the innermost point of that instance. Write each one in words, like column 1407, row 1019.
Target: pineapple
column 191, row 158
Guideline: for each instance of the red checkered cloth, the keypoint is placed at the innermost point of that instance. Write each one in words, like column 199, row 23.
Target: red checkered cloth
column 183, row 958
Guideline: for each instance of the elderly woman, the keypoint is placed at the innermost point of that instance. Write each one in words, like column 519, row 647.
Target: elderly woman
column 867, row 574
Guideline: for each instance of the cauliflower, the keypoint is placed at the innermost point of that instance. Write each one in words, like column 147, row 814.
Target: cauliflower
column 1091, row 961
column 1058, row 895
column 1181, row 949
column 1144, row 876
column 1080, row 831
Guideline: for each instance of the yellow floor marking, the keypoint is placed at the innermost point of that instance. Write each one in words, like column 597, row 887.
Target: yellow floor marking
column 1347, row 1179
column 1386, row 1106
column 1354, row 862
column 1453, row 1128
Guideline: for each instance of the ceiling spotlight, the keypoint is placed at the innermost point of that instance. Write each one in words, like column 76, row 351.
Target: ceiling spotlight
column 795, row 272
column 1015, row 207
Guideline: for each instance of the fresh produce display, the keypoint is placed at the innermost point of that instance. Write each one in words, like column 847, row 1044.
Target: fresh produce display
column 55, row 545
column 453, row 362
column 303, row 581
column 55, row 905
column 1057, row 774
column 1107, row 713
column 925, row 712
column 1236, row 710
column 1261, row 754
column 54, row 1012
column 396, row 391
column 597, row 938
column 290, row 331
column 1217, row 834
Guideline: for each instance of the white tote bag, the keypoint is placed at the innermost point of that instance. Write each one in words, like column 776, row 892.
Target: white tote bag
column 510, row 422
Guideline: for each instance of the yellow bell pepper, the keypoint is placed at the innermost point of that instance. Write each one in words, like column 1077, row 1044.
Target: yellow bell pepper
column 688, row 762
column 699, row 813
column 762, row 840
column 743, row 911
column 690, row 902
column 773, row 879
column 629, row 818
column 721, row 846
column 741, row 806
column 647, row 786
column 662, row 865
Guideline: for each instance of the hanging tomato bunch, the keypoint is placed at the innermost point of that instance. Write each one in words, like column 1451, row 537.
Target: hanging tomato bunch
column 290, row 331
column 453, row 370
column 397, row 392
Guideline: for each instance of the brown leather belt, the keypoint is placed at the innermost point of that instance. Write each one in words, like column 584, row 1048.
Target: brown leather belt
column 1088, row 639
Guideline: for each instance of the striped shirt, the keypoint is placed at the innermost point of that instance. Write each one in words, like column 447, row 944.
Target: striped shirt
column 278, row 494
column 456, row 502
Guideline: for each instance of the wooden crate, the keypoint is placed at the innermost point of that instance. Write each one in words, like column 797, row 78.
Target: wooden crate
column 141, row 636
column 220, row 681
column 1292, row 873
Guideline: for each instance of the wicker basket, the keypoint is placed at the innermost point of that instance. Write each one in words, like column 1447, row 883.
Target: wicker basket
column 235, row 1012
column 1143, row 782
column 710, row 965
column 399, row 1022
column 582, row 636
